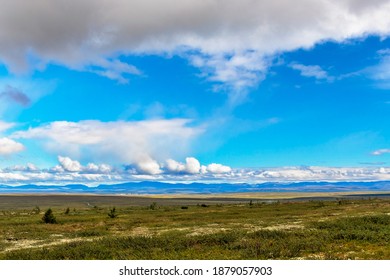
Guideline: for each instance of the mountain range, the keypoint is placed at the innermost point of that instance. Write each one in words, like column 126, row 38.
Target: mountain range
column 147, row 187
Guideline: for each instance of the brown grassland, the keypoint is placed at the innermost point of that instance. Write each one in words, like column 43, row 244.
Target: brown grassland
column 194, row 228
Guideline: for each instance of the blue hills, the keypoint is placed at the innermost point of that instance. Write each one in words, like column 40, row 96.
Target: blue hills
column 148, row 187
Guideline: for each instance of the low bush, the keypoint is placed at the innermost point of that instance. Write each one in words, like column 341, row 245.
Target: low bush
column 48, row 217
column 112, row 214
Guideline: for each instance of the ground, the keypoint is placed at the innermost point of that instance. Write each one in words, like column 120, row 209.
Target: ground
column 318, row 227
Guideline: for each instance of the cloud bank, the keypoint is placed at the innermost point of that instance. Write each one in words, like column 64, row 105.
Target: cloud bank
column 226, row 39
column 191, row 166
column 125, row 142
column 70, row 171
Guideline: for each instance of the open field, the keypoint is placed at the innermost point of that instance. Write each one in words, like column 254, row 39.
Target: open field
column 236, row 227
column 20, row 201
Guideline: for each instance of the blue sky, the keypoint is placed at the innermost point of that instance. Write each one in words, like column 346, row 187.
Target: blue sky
column 194, row 95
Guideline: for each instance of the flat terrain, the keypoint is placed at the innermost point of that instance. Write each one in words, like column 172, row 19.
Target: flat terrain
column 87, row 201
column 20, row 201
column 300, row 226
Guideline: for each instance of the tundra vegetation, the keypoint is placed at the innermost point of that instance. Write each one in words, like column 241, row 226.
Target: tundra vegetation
column 48, row 217
column 351, row 229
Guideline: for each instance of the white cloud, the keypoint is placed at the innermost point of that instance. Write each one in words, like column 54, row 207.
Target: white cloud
column 381, row 72
column 138, row 142
column 380, row 152
column 113, row 69
column 191, row 166
column 217, row 168
column 307, row 174
column 9, row 146
column 101, row 168
column 30, row 167
column 174, row 166
column 69, row 165
column 148, row 166
column 152, row 171
column 236, row 71
column 57, row 169
column 5, row 126
column 314, row 71
column 40, row 32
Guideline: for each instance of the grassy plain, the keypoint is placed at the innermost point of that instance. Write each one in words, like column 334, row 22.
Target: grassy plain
column 188, row 228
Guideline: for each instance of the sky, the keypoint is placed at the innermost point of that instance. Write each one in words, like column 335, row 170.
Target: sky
column 97, row 91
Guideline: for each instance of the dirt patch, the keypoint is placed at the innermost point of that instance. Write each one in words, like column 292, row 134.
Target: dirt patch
column 38, row 243
column 285, row 227
column 317, row 256
column 141, row 231
column 206, row 230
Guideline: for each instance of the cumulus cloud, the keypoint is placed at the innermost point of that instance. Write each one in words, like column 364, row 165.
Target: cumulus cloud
column 217, row 168
column 323, row 174
column 59, row 176
column 137, row 142
column 9, row 146
column 68, row 164
column 148, row 165
column 244, row 32
column 380, row 152
column 98, row 168
column 174, row 166
column 191, row 166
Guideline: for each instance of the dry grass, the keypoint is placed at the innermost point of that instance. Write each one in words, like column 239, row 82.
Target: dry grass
column 338, row 229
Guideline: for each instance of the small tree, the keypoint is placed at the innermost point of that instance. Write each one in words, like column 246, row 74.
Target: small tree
column 48, row 217
column 112, row 213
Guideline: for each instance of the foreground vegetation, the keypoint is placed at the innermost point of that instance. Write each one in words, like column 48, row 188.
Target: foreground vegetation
column 343, row 229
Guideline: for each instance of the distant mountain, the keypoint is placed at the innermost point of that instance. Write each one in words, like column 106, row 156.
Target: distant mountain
column 171, row 188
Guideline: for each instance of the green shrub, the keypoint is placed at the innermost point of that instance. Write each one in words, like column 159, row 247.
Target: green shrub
column 112, row 214
column 153, row 206
column 48, row 217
